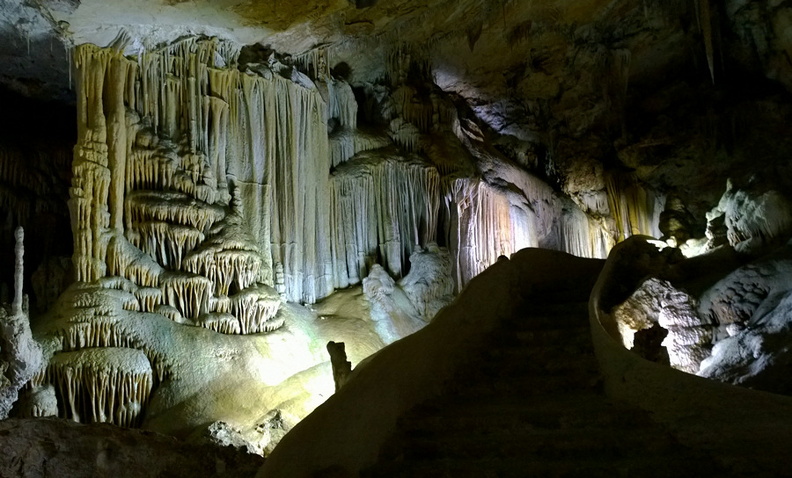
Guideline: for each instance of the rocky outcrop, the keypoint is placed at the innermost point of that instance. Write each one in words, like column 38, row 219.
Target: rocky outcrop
column 52, row 448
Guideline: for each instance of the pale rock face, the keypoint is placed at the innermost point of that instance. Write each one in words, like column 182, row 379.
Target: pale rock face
column 429, row 285
column 401, row 308
column 755, row 217
column 393, row 313
column 657, row 301
column 752, row 305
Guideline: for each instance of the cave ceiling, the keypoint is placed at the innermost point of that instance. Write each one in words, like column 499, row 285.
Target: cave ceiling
column 670, row 90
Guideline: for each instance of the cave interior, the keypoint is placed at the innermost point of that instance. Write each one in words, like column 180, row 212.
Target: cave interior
column 395, row 238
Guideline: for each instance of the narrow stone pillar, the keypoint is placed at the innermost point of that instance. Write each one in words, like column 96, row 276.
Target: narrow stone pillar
column 19, row 251
column 338, row 359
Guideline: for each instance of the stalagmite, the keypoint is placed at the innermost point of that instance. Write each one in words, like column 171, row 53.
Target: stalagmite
column 19, row 269
column 21, row 356
column 341, row 366
column 430, row 283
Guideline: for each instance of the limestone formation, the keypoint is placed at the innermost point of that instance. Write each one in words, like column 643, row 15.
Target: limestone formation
column 20, row 353
column 430, row 284
column 689, row 338
column 756, row 215
column 101, row 385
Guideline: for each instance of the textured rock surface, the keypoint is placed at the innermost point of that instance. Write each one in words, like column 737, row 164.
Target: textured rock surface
column 752, row 306
column 689, row 337
column 53, row 448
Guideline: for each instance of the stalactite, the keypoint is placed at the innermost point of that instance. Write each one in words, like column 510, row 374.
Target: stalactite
column 382, row 205
column 171, row 207
column 405, row 134
column 29, row 180
column 188, row 293
column 220, row 304
column 346, row 144
column 413, row 109
column 170, row 312
column 632, row 207
column 297, row 175
column 226, row 267
column 164, row 242
column 484, row 231
column 220, row 322
column 582, row 235
column 255, row 309
column 341, row 103
column 148, row 298
column 109, row 385
column 705, row 23
column 403, row 57
column 188, row 135
column 99, row 332
column 124, row 260
column 100, row 147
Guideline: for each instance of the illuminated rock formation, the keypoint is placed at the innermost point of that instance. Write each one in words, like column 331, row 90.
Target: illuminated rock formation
column 101, row 385
column 20, row 354
column 689, row 337
column 756, row 216
column 383, row 206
